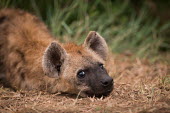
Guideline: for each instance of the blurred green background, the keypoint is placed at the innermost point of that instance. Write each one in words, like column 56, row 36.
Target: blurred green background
column 133, row 27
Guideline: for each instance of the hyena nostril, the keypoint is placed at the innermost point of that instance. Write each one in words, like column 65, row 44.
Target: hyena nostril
column 107, row 81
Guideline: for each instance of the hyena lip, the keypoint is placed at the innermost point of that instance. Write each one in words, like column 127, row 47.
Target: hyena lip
column 99, row 94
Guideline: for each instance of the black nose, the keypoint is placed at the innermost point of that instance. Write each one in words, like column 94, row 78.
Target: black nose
column 107, row 81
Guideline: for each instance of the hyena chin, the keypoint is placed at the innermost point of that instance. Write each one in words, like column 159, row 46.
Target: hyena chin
column 32, row 59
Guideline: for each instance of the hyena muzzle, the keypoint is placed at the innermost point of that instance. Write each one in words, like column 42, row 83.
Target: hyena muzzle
column 31, row 58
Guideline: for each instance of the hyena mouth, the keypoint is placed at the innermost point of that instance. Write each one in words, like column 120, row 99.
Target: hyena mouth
column 98, row 94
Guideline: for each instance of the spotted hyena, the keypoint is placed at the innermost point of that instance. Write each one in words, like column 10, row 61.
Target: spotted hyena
column 31, row 58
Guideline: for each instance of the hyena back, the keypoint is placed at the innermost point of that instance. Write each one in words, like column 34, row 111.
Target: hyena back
column 31, row 58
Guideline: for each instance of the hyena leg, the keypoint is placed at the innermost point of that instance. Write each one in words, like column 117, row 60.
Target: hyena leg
column 15, row 72
column 18, row 75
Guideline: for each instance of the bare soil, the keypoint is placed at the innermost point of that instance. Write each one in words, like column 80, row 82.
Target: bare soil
column 140, row 87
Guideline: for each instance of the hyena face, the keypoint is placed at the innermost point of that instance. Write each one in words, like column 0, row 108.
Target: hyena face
column 80, row 68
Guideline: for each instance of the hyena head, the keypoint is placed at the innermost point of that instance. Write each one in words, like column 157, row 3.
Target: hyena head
column 79, row 68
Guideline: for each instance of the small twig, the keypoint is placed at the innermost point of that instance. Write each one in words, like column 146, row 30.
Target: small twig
column 77, row 97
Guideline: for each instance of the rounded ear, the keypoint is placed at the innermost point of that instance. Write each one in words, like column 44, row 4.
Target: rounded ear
column 53, row 59
column 96, row 43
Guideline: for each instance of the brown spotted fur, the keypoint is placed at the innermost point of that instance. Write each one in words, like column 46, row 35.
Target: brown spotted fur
column 23, row 41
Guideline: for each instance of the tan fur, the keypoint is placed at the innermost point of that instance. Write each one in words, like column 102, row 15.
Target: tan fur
column 23, row 41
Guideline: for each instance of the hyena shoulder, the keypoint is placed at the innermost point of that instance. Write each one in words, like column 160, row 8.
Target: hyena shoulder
column 23, row 39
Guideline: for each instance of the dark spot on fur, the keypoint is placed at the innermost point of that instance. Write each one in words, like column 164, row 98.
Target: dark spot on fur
column 2, row 19
column 79, row 52
column 19, row 70
column 14, row 64
column 22, row 76
column 21, row 54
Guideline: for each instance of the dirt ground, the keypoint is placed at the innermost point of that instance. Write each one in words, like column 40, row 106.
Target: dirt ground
column 140, row 87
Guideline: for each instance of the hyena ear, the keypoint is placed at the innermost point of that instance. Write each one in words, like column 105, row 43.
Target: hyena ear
column 96, row 43
column 53, row 58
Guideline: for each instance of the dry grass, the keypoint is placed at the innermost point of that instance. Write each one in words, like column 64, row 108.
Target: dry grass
column 140, row 86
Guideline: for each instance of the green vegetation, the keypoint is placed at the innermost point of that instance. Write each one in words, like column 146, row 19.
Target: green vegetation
column 125, row 29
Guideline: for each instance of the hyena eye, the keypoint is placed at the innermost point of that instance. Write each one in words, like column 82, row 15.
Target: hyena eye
column 81, row 74
column 101, row 66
